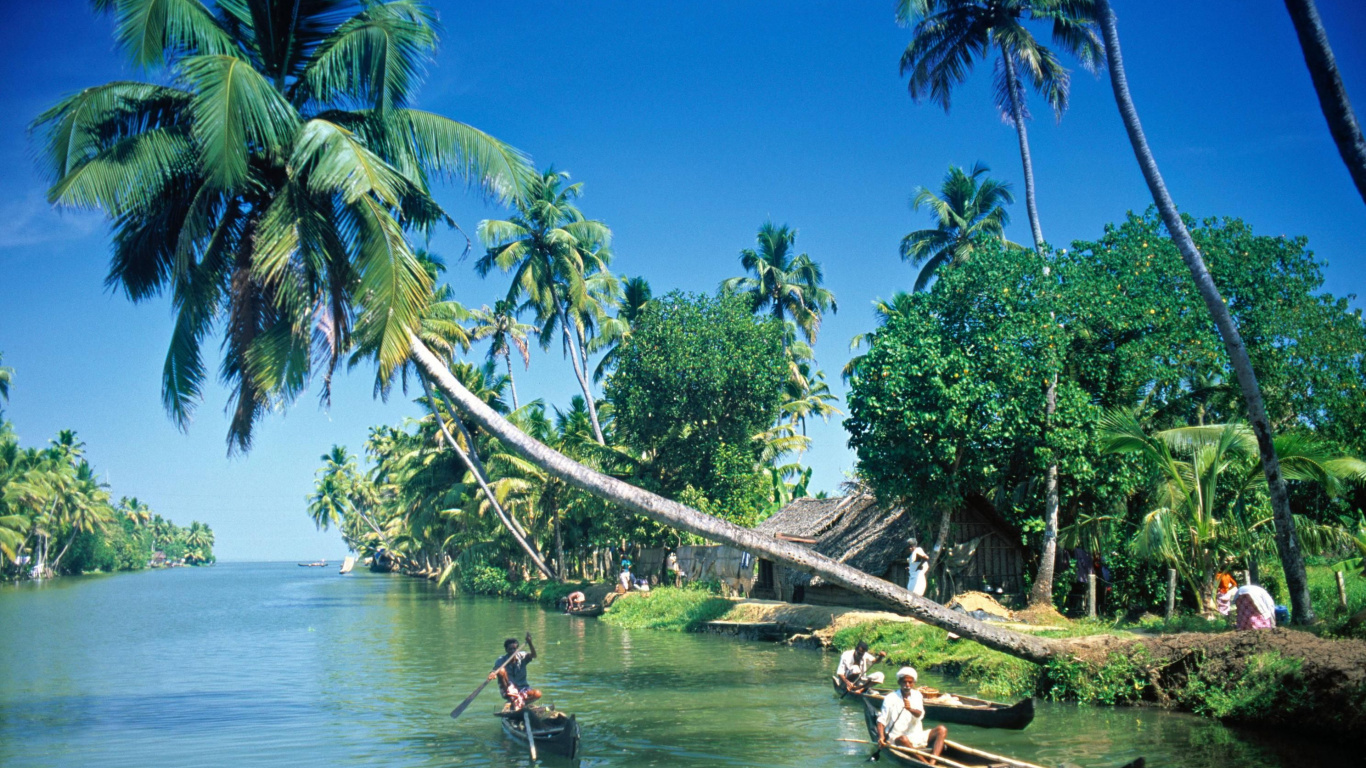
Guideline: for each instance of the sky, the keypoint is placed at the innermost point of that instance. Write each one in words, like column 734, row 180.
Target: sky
column 689, row 124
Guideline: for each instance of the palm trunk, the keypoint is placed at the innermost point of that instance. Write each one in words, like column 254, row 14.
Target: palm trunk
column 1042, row 591
column 479, row 464
column 475, row 470
column 1286, row 542
column 62, row 554
column 512, row 383
column 1323, row 70
column 1017, row 116
column 578, row 373
column 676, row 515
column 941, row 539
column 559, row 546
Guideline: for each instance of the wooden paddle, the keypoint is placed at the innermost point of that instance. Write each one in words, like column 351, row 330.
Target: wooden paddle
column 530, row 737
column 464, row 705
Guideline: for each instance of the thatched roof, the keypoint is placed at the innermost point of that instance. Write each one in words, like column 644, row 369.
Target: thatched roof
column 850, row 529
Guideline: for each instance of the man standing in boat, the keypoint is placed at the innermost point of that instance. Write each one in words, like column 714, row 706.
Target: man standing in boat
column 901, row 721
column 512, row 677
column 854, row 666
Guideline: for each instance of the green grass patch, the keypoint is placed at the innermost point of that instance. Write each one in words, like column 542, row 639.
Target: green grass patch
column 1121, row 680
column 1271, row 689
column 681, row 610
column 926, row 647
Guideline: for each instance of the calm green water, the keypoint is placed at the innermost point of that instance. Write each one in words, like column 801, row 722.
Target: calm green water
column 272, row 664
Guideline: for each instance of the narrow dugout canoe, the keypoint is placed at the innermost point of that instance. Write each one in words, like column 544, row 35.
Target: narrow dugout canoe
column 968, row 711
column 590, row 610
column 955, row 754
column 554, row 732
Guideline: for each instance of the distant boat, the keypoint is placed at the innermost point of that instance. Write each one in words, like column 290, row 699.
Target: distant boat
column 318, row 564
column 348, row 564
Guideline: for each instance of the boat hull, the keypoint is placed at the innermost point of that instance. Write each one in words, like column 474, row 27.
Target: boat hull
column 586, row 611
column 978, row 712
column 557, row 735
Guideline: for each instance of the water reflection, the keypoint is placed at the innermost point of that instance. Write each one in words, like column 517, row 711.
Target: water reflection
column 274, row 664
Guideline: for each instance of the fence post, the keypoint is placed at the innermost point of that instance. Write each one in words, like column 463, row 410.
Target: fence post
column 1091, row 595
column 1171, row 592
column 1342, row 591
column 1247, row 578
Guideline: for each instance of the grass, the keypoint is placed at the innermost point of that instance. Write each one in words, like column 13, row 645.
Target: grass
column 680, row 610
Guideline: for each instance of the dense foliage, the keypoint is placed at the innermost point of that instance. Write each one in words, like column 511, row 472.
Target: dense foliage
column 945, row 402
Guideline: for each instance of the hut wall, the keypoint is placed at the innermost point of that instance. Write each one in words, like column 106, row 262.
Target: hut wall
column 998, row 562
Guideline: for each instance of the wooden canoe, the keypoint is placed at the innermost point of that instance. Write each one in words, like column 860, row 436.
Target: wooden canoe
column 588, row 610
column 554, row 732
column 968, row 711
column 955, row 754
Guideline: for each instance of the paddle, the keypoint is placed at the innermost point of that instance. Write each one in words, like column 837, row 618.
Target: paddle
column 464, row 705
column 530, row 737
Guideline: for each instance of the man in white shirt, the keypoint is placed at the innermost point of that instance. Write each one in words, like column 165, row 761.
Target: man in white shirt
column 901, row 721
column 919, row 563
column 854, row 666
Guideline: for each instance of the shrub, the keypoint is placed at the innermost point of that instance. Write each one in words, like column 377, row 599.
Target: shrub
column 667, row 608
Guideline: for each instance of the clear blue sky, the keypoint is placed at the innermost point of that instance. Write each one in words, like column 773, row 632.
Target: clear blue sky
column 690, row 124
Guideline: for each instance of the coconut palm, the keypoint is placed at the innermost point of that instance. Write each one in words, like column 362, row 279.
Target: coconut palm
column 969, row 208
column 786, row 284
column 6, row 378
column 505, row 333
column 635, row 295
column 135, row 510
column 551, row 250
column 1323, row 70
column 1287, row 543
column 949, row 35
column 266, row 183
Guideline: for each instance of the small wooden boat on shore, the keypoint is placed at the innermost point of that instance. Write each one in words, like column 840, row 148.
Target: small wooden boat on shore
column 554, row 732
column 955, row 754
column 587, row 610
column 963, row 710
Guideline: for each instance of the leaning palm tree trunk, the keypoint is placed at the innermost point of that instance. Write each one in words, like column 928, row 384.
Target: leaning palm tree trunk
column 483, row 482
column 1286, row 542
column 1323, row 70
column 580, row 373
column 676, row 515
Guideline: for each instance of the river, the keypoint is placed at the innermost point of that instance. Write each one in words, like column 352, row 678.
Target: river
column 273, row 664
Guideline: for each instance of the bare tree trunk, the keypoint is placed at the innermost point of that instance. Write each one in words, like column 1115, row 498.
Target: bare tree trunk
column 1017, row 117
column 941, row 538
column 1286, row 541
column 62, row 554
column 676, row 515
column 527, row 547
column 559, row 547
column 1323, row 70
column 512, row 383
column 1042, row 591
column 578, row 373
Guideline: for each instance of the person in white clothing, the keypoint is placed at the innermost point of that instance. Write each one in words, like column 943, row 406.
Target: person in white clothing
column 853, row 669
column 919, row 563
column 901, row 721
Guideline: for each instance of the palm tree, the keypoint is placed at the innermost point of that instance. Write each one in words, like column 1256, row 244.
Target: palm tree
column 268, row 183
column 551, row 250
column 6, row 378
column 635, row 295
column 1292, row 559
column 787, row 285
column 949, row 34
column 505, row 332
column 135, row 510
column 965, row 213
column 1323, row 70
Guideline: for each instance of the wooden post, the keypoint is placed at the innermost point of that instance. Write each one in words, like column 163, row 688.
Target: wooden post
column 1171, row 593
column 1342, row 591
column 1247, row 578
column 1091, row 595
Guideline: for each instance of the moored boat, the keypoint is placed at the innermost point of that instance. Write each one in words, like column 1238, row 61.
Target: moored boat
column 962, row 710
column 554, row 732
column 954, row 755
column 588, row 609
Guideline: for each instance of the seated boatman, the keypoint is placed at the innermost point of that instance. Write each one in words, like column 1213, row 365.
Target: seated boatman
column 900, row 722
column 512, row 678
column 854, row 665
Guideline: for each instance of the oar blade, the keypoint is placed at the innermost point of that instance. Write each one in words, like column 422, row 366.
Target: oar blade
column 464, row 705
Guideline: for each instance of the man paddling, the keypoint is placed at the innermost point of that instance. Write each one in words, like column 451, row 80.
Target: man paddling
column 900, row 722
column 512, row 678
column 854, row 666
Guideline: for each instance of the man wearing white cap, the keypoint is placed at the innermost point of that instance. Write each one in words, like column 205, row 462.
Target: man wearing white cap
column 901, row 720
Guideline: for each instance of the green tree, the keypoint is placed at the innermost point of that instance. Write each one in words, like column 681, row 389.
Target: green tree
column 635, row 294
column 505, row 333
column 782, row 282
column 949, row 35
column 267, row 184
column 965, row 211
column 551, row 251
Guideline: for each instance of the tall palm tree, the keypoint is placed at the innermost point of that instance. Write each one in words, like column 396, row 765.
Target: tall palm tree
column 6, row 378
column 1287, row 543
column 965, row 211
column 949, row 35
column 1323, row 70
column 785, row 283
column 505, row 333
column 551, row 251
column 135, row 510
column 267, row 182
column 884, row 311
